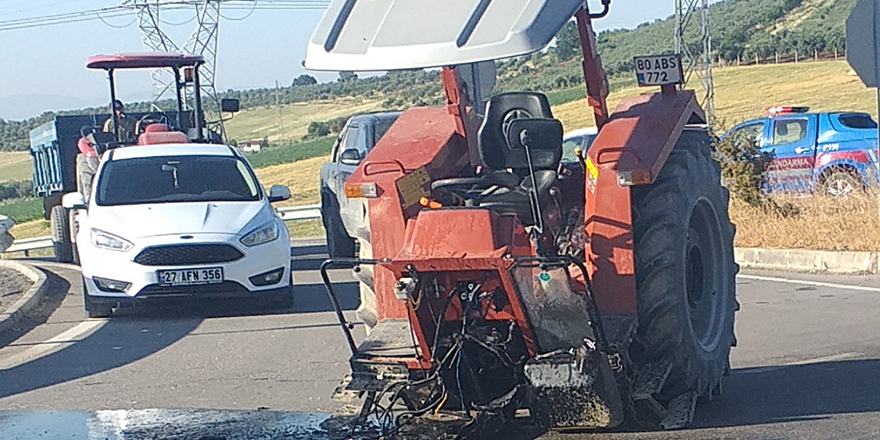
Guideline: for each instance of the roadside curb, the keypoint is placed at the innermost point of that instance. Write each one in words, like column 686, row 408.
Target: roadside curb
column 19, row 311
column 801, row 260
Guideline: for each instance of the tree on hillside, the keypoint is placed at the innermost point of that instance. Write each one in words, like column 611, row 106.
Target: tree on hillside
column 304, row 80
column 347, row 77
column 568, row 42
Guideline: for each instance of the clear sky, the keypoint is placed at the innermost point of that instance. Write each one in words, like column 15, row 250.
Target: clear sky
column 43, row 68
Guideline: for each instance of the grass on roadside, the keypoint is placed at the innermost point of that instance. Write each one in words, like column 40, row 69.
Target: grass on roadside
column 291, row 152
column 824, row 223
column 305, row 229
column 22, row 210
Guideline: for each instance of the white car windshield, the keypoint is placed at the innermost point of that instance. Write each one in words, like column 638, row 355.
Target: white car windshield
column 170, row 179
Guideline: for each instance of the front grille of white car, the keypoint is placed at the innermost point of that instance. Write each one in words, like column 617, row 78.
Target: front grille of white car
column 188, row 254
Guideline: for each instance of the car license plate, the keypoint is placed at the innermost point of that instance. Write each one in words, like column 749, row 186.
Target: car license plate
column 191, row 277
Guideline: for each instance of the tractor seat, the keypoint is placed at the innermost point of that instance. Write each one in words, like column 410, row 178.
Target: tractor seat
column 543, row 137
column 157, row 128
column 506, row 184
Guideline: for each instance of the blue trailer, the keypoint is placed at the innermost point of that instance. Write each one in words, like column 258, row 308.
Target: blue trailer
column 54, row 150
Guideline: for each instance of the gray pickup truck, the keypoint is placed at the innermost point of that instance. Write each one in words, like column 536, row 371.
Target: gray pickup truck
column 344, row 219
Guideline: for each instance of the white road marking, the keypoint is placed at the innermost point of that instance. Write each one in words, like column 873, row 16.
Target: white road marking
column 65, row 339
column 810, row 283
column 818, row 360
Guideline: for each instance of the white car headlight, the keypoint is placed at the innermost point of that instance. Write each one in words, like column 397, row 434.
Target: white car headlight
column 106, row 240
column 264, row 234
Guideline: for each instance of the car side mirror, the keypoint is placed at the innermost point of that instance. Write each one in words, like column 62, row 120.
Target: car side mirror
column 74, row 201
column 230, row 105
column 350, row 157
column 278, row 193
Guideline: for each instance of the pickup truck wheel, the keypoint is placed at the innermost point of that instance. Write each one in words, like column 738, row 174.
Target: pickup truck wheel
column 61, row 235
column 841, row 183
column 339, row 243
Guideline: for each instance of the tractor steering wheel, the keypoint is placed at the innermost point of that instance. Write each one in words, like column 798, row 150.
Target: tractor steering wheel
column 469, row 189
column 147, row 119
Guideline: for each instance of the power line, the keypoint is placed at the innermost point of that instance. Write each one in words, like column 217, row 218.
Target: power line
column 126, row 10
column 253, row 8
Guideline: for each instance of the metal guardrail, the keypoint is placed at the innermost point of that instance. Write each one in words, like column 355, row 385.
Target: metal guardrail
column 310, row 212
column 296, row 213
column 29, row 244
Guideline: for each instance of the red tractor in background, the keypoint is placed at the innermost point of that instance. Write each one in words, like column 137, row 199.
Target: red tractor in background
column 591, row 294
column 66, row 149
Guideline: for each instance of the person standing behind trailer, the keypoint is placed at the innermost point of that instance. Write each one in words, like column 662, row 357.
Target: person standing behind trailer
column 125, row 123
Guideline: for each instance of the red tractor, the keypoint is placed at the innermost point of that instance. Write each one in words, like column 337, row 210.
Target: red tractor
column 501, row 279
column 66, row 149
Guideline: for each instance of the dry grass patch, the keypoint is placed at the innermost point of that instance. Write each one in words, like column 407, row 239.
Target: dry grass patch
column 829, row 224
column 306, row 229
column 32, row 229
column 15, row 165
column 253, row 124
column 743, row 93
column 301, row 177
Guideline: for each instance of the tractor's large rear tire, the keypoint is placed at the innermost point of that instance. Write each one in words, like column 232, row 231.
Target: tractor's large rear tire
column 685, row 270
column 63, row 246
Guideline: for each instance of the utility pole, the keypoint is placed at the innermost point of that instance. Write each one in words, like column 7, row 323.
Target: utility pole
column 692, row 17
column 278, row 105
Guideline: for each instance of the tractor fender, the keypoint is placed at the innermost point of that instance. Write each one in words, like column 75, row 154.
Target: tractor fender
column 634, row 144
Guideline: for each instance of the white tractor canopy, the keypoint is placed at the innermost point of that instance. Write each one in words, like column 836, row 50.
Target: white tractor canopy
column 373, row 35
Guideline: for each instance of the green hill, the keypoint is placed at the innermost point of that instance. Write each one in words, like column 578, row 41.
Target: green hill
column 741, row 28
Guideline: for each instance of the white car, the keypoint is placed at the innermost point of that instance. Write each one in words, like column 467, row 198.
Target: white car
column 582, row 139
column 179, row 220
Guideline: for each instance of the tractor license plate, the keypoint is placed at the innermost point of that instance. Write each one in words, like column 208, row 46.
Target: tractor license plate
column 191, row 277
column 659, row 70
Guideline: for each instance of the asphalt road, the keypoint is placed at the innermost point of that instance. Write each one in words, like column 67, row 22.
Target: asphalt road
column 807, row 365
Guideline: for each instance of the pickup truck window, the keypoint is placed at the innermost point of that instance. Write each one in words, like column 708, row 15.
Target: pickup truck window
column 350, row 139
column 361, row 144
column 568, row 147
column 380, row 129
column 753, row 132
column 787, row 131
column 857, row 121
